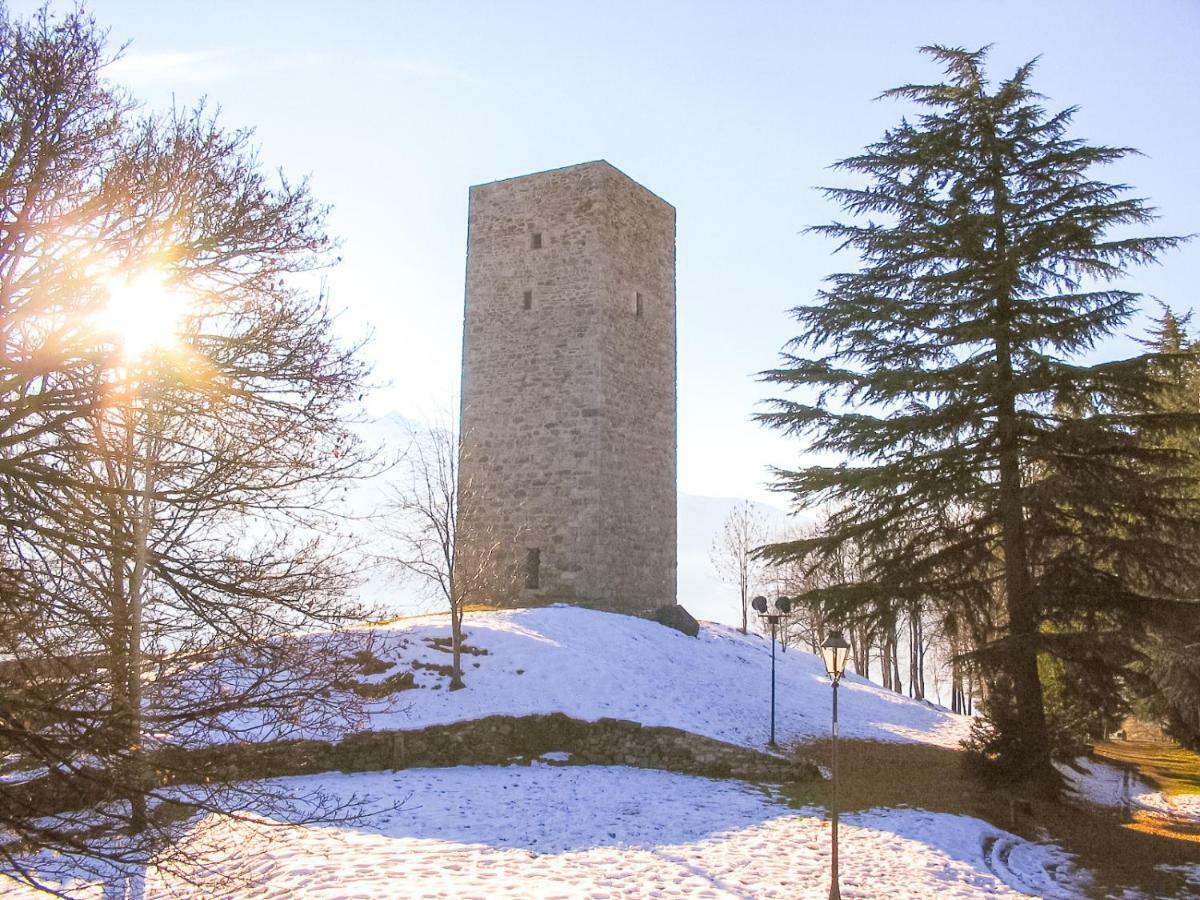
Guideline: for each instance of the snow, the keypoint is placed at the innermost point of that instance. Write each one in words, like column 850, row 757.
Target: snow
column 592, row 665
column 554, row 829
column 1189, row 873
column 550, row 831
column 20, row 775
column 1175, row 806
column 1108, row 785
column 1099, row 782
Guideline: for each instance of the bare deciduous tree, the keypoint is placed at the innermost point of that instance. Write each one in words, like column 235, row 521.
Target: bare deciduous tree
column 732, row 553
column 168, row 572
column 425, row 532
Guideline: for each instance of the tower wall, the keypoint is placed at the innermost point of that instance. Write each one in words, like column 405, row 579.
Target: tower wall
column 568, row 396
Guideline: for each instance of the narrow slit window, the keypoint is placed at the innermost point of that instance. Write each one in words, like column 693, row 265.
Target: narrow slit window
column 527, row 300
column 637, row 304
column 533, row 567
column 535, row 241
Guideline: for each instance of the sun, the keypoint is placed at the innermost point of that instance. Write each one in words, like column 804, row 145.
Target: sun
column 144, row 313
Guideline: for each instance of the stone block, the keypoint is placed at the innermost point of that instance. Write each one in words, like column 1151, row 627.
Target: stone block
column 677, row 617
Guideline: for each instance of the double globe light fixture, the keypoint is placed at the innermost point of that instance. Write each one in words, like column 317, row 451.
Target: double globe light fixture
column 783, row 606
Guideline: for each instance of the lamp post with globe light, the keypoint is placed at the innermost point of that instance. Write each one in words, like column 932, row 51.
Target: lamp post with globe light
column 783, row 606
column 835, row 651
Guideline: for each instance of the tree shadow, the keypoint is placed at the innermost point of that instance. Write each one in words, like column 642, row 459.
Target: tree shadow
column 559, row 808
column 545, row 811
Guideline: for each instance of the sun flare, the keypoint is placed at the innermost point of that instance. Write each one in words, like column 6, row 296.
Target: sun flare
column 143, row 313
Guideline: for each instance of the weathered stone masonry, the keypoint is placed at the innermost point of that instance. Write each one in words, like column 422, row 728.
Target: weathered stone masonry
column 568, row 393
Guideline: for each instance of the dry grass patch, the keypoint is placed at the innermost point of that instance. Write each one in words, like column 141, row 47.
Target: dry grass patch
column 1169, row 767
column 1166, row 766
column 441, row 610
column 874, row 773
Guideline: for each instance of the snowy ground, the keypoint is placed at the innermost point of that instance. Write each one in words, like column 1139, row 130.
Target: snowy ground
column 592, row 665
column 548, row 831
column 1109, row 785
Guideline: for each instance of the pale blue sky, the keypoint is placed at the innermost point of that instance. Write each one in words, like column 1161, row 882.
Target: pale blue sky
column 729, row 111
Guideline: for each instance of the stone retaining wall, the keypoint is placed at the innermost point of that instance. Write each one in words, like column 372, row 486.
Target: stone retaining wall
column 495, row 740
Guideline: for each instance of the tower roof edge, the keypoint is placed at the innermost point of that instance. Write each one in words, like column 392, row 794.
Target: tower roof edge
column 581, row 165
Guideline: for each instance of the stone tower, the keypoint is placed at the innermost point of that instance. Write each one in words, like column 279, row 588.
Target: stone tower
column 567, row 465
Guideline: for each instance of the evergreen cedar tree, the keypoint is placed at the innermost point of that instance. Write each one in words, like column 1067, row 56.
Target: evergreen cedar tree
column 1166, row 678
column 983, row 462
column 161, row 519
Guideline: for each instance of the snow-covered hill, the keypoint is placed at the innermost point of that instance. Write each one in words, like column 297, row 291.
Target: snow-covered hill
column 547, row 830
column 592, row 664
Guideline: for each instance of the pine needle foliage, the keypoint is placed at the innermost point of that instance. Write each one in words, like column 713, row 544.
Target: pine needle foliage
column 1166, row 679
column 979, row 455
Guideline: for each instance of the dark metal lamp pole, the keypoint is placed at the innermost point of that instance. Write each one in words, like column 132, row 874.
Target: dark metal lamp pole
column 782, row 607
column 835, row 652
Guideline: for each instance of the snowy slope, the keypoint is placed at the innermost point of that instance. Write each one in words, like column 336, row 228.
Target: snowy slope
column 1108, row 785
column 591, row 665
column 593, row 832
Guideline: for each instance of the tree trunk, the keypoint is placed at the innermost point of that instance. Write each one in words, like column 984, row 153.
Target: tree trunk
column 1020, row 603
column 886, row 661
column 137, row 582
column 456, row 679
column 912, row 657
column 897, row 683
column 125, row 725
column 916, row 655
column 861, row 639
column 923, row 648
column 1022, row 650
column 125, row 635
column 743, row 578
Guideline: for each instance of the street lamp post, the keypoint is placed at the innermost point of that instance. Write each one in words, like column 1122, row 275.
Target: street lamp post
column 835, row 651
column 783, row 606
